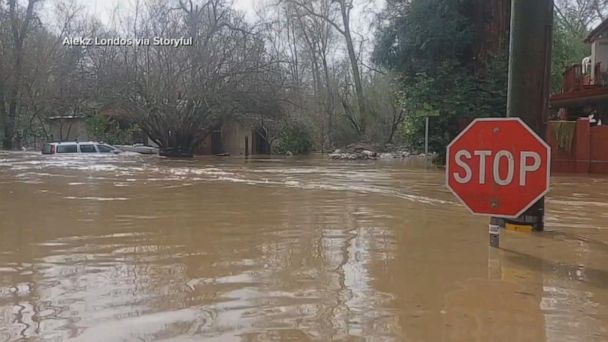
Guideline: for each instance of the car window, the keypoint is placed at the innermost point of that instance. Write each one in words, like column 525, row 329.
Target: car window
column 89, row 148
column 67, row 148
column 105, row 148
column 47, row 149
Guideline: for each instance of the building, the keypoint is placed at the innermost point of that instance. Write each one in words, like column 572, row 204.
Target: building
column 68, row 128
column 235, row 139
column 231, row 138
column 579, row 135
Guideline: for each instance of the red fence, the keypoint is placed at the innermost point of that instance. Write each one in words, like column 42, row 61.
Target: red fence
column 587, row 154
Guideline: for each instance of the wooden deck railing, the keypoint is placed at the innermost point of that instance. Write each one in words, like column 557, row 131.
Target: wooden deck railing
column 575, row 80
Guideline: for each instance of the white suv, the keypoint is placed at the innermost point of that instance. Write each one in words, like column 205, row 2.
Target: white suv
column 78, row 147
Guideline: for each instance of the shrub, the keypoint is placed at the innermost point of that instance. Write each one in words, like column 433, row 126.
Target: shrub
column 295, row 139
column 104, row 129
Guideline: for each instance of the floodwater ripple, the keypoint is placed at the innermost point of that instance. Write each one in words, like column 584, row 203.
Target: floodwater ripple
column 132, row 248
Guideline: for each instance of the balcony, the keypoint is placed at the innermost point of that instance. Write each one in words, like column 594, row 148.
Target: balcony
column 579, row 88
column 576, row 80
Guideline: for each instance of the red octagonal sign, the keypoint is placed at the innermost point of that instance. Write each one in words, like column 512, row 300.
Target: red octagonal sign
column 498, row 167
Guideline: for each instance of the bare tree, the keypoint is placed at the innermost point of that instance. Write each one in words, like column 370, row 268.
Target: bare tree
column 582, row 13
column 56, row 81
column 20, row 26
column 178, row 96
column 340, row 19
column 386, row 108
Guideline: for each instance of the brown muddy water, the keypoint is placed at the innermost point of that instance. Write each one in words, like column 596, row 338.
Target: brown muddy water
column 145, row 249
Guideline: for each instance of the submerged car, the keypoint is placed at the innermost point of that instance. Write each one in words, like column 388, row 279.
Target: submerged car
column 88, row 147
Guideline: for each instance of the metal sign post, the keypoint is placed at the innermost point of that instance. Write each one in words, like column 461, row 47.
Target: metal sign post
column 426, row 111
column 426, row 136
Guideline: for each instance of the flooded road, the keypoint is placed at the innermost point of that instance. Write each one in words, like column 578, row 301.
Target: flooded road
column 144, row 249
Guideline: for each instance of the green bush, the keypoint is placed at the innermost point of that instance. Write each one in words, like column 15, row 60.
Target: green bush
column 295, row 139
column 104, row 129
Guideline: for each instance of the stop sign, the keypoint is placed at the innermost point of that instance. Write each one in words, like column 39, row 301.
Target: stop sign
column 498, row 167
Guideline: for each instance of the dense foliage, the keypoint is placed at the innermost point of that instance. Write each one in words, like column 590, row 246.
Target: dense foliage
column 102, row 128
column 430, row 44
column 294, row 139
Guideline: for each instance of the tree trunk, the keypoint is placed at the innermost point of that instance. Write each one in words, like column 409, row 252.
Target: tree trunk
column 491, row 20
column 329, row 103
column 345, row 10
column 18, row 32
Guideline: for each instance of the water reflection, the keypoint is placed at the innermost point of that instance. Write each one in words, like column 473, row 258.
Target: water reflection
column 131, row 249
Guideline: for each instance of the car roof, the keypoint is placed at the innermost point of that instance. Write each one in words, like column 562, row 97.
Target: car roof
column 78, row 142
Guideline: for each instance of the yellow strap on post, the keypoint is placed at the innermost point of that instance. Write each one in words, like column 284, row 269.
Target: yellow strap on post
column 519, row 228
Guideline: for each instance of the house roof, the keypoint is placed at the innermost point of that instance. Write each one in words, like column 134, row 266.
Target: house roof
column 598, row 32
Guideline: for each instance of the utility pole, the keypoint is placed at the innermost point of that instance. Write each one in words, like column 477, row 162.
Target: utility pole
column 426, row 136
column 528, row 91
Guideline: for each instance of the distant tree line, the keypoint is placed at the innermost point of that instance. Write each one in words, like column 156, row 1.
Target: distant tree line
column 306, row 74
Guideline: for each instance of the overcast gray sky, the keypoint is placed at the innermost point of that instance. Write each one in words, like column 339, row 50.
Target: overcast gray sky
column 103, row 9
column 362, row 16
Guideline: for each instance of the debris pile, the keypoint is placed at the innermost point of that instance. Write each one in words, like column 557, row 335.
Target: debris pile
column 370, row 152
